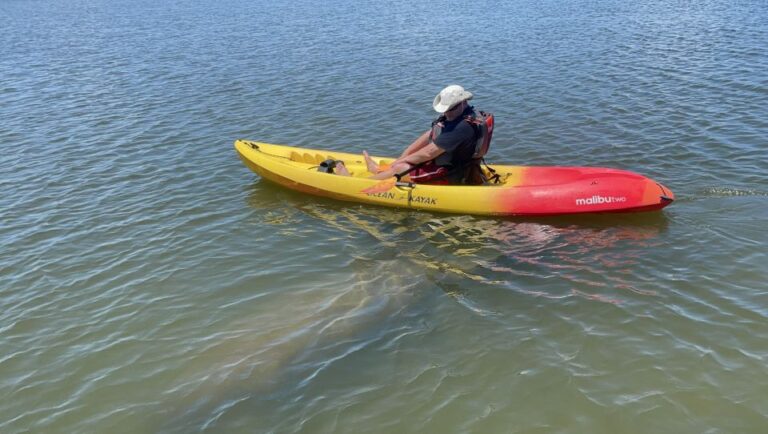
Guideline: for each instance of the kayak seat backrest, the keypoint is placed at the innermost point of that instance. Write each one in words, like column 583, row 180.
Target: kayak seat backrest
column 483, row 125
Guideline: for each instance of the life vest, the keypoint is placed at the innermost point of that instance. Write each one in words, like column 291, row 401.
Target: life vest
column 481, row 122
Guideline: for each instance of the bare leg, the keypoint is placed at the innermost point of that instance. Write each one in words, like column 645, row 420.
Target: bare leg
column 341, row 169
column 392, row 171
column 372, row 166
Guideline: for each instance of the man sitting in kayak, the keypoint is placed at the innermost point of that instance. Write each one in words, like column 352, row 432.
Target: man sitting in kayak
column 441, row 154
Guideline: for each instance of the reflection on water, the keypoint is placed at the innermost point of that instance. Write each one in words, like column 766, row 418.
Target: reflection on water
column 584, row 257
column 470, row 257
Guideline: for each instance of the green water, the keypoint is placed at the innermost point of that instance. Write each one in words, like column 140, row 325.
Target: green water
column 150, row 283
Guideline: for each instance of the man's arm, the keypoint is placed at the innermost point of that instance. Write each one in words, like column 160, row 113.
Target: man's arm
column 428, row 152
column 420, row 142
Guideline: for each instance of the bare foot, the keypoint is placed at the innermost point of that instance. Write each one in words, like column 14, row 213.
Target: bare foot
column 372, row 166
column 341, row 169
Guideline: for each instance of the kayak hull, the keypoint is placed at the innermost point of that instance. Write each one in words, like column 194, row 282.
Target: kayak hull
column 523, row 190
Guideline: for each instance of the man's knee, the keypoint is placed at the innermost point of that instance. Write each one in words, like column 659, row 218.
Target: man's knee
column 400, row 167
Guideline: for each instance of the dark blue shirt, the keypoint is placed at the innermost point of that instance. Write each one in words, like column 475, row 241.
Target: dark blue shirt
column 457, row 139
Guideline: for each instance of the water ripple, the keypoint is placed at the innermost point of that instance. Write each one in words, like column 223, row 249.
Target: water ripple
column 152, row 284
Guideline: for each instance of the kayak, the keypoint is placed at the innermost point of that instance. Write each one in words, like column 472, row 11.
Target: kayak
column 521, row 190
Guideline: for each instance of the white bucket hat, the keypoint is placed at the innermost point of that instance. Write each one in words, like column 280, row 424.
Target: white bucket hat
column 449, row 97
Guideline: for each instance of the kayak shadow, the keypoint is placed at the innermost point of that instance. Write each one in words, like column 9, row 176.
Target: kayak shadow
column 480, row 261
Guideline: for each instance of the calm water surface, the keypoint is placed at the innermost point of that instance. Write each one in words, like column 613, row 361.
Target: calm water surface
column 149, row 283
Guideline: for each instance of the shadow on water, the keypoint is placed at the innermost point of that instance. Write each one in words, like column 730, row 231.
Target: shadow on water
column 400, row 261
column 469, row 257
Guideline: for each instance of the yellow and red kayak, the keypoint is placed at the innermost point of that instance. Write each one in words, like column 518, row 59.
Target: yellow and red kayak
column 522, row 190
